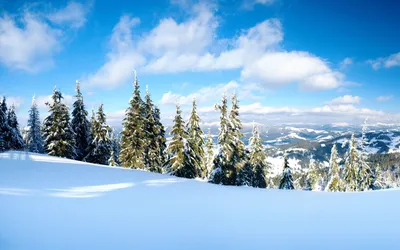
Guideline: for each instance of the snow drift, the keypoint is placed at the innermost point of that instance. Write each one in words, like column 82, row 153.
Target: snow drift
column 48, row 203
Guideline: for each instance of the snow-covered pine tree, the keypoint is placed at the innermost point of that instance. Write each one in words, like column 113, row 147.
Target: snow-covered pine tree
column 115, row 145
column 335, row 183
column 258, row 160
column 245, row 174
column 15, row 138
column 151, row 150
column 196, row 140
column 111, row 161
column 365, row 175
column 131, row 155
column 311, row 176
column 101, row 144
column 208, row 156
column 56, row 130
column 34, row 137
column 81, row 125
column 351, row 167
column 4, row 127
column 179, row 163
column 237, row 158
column 287, row 179
column 223, row 172
column 376, row 178
column 161, row 140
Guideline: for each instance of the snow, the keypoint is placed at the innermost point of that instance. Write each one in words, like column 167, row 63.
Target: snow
column 50, row 203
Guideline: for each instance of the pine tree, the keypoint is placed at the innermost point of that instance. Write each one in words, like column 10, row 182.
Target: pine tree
column 196, row 140
column 115, row 145
column 257, row 159
column 81, row 125
column 224, row 172
column 287, row 179
column 34, row 138
column 231, row 157
column 208, row 157
column 151, row 149
column 179, row 162
column 101, row 144
column 111, row 160
column 4, row 127
column 132, row 144
column 335, row 183
column 236, row 144
column 245, row 175
column 57, row 131
column 311, row 176
column 365, row 175
column 161, row 140
column 351, row 167
column 15, row 138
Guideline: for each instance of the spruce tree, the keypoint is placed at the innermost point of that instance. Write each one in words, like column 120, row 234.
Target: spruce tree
column 111, row 160
column 365, row 175
column 209, row 156
column 161, row 140
column 179, row 152
column 81, row 125
column 351, row 167
column 101, row 144
column 236, row 144
column 132, row 144
column 34, row 138
column 57, row 131
column 287, row 179
column 151, row 131
column 245, row 173
column 311, row 176
column 196, row 140
column 258, row 159
column 5, row 129
column 335, row 183
column 224, row 171
column 115, row 145
column 15, row 138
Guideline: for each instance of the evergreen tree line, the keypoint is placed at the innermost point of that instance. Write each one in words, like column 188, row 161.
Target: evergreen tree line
column 189, row 154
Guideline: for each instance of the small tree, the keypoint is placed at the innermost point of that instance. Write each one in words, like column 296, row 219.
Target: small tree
column 15, row 138
column 34, row 138
column 195, row 140
column 57, row 131
column 81, row 125
column 111, row 161
column 179, row 162
column 311, row 176
column 101, row 145
column 287, row 179
column 132, row 143
column 209, row 156
column 258, row 160
column 335, row 184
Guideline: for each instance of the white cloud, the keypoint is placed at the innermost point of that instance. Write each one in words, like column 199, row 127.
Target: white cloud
column 387, row 62
column 29, row 41
column 250, row 4
column 384, row 98
column 280, row 68
column 121, row 60
column 73, row 14
column 17, row 101
column 202, row 95
column 193, row 45
column 346, row 62
column 29, row 46
column 346, row 99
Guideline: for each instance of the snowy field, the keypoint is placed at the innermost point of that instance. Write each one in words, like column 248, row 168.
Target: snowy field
column 47, row 203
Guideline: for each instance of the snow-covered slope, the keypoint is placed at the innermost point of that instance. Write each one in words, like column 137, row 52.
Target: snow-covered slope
column 47, row 203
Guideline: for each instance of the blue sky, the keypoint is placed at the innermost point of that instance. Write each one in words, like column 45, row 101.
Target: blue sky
column 289, row 61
